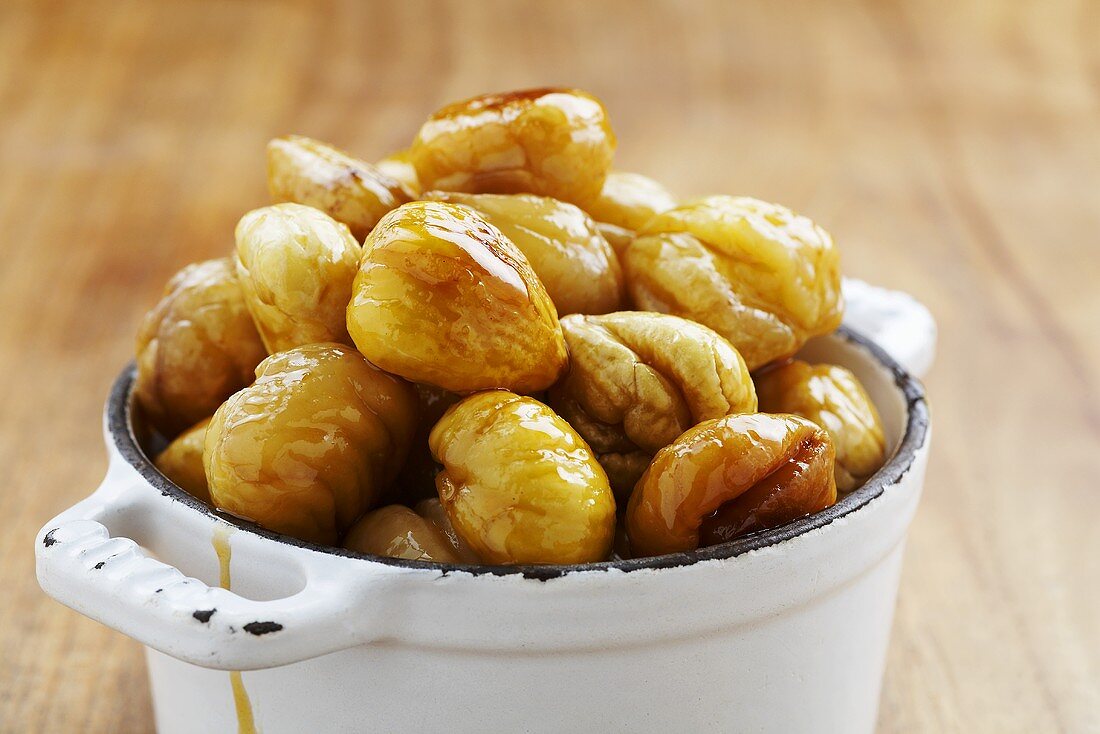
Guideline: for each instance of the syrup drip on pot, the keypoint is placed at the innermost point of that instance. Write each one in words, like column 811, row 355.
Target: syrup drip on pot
column 246, row 723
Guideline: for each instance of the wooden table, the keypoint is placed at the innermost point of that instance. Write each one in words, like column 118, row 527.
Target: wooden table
column 952, row 148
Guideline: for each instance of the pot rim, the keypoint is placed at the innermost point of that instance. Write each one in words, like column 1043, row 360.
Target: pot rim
column 119, row 423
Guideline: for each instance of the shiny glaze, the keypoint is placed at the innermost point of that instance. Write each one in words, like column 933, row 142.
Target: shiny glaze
column 296, row 265
column 442, row 297
column 309, row 446
column 630, row 200
column 761, row 276
column 519, row 484
column 398, row 166
column 351, row 191
column 552, row 142
column 196, row 347
column 833, row 398
column 398, row 532
column 638, row 380
column 563, row 245
column 181, row 461
column 727, row 477
column 246, row 721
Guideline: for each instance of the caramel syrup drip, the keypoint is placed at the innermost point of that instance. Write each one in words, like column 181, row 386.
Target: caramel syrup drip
column 246, row 723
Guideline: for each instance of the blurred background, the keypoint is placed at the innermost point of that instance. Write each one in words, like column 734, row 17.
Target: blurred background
column 952, row 148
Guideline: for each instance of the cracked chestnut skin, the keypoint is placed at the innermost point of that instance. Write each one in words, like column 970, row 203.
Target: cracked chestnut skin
column 566, row 250
column 552, row 142
column 760, row 275
column 310, row 445
column 729, row 477
column 181, row 461
column 442, row 297
column 296, row 265
column 833, row 398
column 629, row 200
column 638, row 380
column 306, row 171
column 519, row 485
column 196, row 347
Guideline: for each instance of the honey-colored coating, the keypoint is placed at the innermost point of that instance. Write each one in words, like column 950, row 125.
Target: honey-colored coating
column 618, row 237
column 519, row 484
column 416, row 480
column 431, row 509
column 729, row 477
column 629, row 200
column 551, row 142
column 308, row 447
column 399, row 167
column 306, row 171
column 834, row 399
column 398, row 532
column 637, row 380
column 442, row 297
column 181, row 461
column 572, row 259
column 296, row 265
column 196, row 347
column 758, row 274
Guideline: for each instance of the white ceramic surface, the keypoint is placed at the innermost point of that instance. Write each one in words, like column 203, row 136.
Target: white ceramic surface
column 781, row 632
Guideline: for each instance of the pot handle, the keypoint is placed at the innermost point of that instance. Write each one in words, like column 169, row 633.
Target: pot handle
column 894, row 320
column 116, row 582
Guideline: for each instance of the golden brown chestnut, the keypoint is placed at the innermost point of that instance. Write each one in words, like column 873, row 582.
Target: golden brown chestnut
column 761, row 276
column 351, row 191
column 398, row 532
column 638, row 380
column 296, row 265
column 442, row 297
column 399, row 167
column 309, row 446
column 834, row 399
column 181, row 461
column 629, row 200
column 567, row 252
column 518, row 483
column 552, row 142
column 196, row 347
column 729, row 477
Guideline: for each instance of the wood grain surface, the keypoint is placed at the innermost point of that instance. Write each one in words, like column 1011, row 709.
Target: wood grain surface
column 953, row 149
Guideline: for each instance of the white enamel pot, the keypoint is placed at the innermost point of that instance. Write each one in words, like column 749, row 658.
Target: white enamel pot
column 783, row 631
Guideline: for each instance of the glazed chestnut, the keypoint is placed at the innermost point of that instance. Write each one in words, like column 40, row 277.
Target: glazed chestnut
column 729, row 477
column 399, row 167
column 618, row 237
column 638, row 380
column 567, row 252
column 834, row 399
column 296, row 265
column 442, row 297
column 181, row 461
column 309, row 446
column 431, row 509
column 398, row 532
column 196, row 347
column 518, row 483
column 416, row 480
column 351, row 191
column 761, row 276
column 552, row 142
column 629, row 200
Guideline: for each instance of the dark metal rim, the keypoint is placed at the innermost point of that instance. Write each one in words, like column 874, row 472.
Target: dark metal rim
column 120, row 427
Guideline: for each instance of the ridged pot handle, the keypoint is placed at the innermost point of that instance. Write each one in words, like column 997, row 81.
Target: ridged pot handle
column 116, row 582
column 894, row 320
